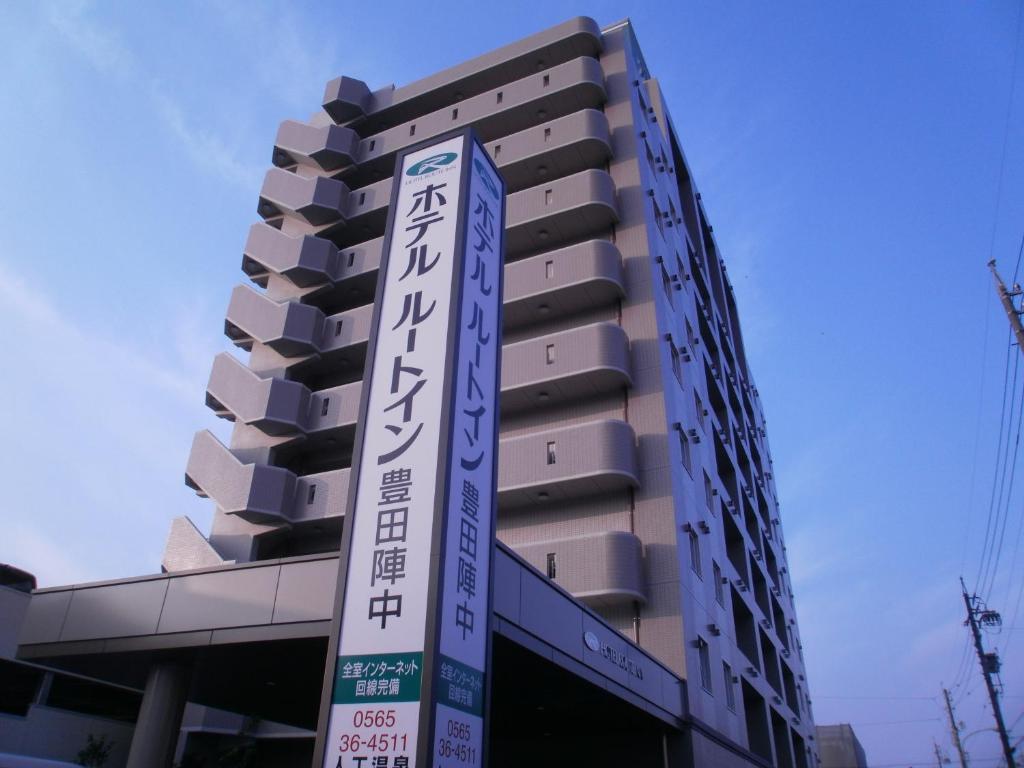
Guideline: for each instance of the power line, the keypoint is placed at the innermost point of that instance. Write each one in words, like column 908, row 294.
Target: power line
column 879, row 698
column 1003, row 509
column 899, row 722
column 995, row 476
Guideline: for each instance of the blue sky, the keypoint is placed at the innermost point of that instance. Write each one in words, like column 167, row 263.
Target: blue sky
column 848, row 154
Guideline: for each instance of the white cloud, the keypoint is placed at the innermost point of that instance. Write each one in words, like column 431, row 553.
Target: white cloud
column 101, row 48
column 204, row 147
column 110, row 56
column 98, row 437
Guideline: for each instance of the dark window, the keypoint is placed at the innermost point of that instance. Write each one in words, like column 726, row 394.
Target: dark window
column 547, row 81
column 412, row 129
column 500, row 97
column 704, row 654
column 325, row 406
column 93, row 698
column 551, row 453
column 549, row 354
column 337, row 328
column 666, row 284
column 684, row 450
column 730, row 691
column 18, row 686
column 549, row 269
column 695, row 552
column 455, row 114
column 552, row 565
column 312, row 494
column 719, row 592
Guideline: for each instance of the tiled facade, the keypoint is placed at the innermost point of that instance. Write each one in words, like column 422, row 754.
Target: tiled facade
column 634, row 466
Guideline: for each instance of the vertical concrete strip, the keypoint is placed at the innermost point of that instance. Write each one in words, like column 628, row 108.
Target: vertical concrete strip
column 156, row 732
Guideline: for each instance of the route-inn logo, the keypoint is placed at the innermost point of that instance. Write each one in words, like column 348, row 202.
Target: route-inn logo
column 431, row 164
column 620, row 660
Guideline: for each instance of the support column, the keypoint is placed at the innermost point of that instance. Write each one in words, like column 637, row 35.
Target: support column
column 163, row 703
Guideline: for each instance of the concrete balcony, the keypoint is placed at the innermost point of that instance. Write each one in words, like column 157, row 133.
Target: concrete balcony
column 261, row 493
column 290, row 328
column 329, row 147
column 571, row 365
column 347, row 99
column 562, row 282
column 306, row 261
column 256, row 492
column 293, row 329
column 535, row 99
column 567, row 463
column 350, row 274
column 603, row 570
column 317, row 200
column 568, row 209
column 276, row 406
column 279, row 406
column 552, row 150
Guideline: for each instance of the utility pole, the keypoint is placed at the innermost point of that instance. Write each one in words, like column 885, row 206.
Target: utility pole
column 1006, row 298
column 989, row 661
column 954, row 728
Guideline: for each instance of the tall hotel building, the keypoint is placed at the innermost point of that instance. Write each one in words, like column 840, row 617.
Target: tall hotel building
column 634, row 469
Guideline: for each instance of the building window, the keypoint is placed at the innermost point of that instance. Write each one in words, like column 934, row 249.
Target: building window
column 549, row 269
column 500, row 97
column 337, row 327
column 695, row 552
column 684, row 450
column 551, row 453
column 730, row 691
column 701, row 413
column 708, row 492
column 666, row 284
column 312, row 494
column 497, row 151
column 719, row 593
column 677, row 368
column 552, row 565
column 547, row 80
column 650, row 155
column 362, row 198
column 549, row 354
column 325, row 406
column 548, row 197
column 547, row 134
column 704, row 656
column 658, row 216
column 455, row 114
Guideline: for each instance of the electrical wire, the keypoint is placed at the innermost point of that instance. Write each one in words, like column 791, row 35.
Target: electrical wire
column 1003, row 507
column 984, row 561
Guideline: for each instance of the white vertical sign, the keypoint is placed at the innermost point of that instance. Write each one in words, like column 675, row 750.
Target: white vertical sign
column 427, row 454
column 461, row 680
